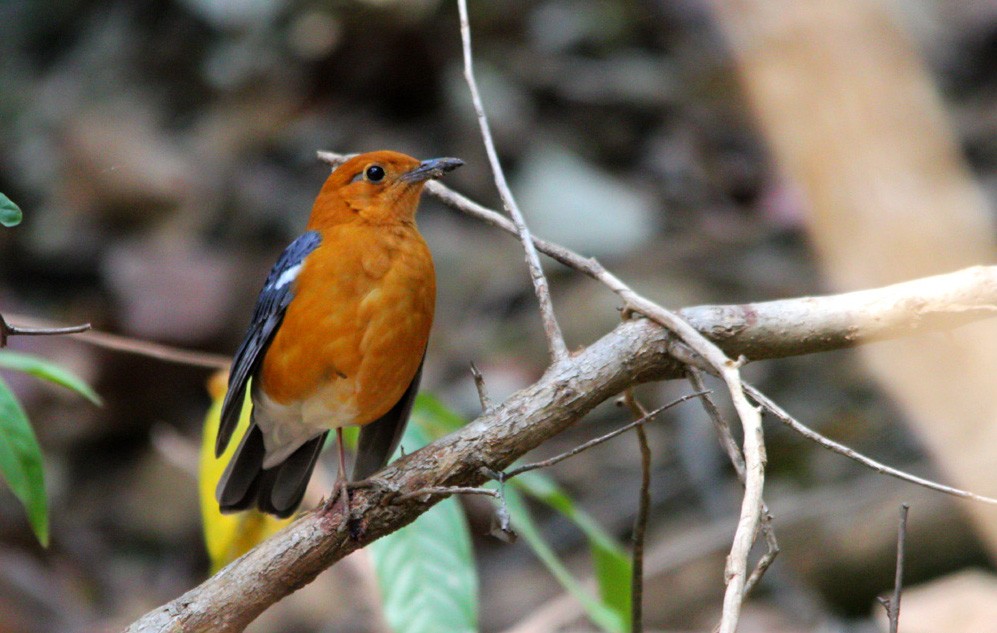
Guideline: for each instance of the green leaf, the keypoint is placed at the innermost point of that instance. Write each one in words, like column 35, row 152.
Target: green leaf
column 47, row 370
column 435, row 418
column 21, row 462
column 10, row 213
column 610, row 560
column 613, row 566
column 601, row 614
column 426, row 570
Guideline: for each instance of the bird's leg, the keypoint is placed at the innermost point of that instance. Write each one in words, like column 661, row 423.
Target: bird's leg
column 341, row 482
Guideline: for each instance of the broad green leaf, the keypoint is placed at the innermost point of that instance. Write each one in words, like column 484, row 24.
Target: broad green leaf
column 613, row 566
column 47, row 370
column 601, row 614
column 426, row 570
column 10, row 213
column 610, row 560
column 21, row 462
column 226, row 536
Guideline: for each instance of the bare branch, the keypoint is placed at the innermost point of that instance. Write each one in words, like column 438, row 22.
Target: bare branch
column 892, row 605
column 640, row 521
column 128, row 345
column 771, row 552
column 7, row 330
column 728, row 371
column 555, row 339
column 852, row 454
column 639, row 422
column 479, row 384
column 727, row 442
column 720, row 425
column 634, row 352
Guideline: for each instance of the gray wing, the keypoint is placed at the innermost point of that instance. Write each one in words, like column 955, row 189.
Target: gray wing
column 379, row 439
column 268, row 314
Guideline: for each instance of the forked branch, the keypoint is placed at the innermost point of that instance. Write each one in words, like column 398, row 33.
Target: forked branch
column 636, row 351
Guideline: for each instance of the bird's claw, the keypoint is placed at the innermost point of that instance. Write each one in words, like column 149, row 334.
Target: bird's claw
column 341, row 493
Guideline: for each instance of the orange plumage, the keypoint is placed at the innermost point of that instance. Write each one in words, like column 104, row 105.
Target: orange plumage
column 339, row 332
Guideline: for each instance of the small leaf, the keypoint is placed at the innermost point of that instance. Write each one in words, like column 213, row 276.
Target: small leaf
column 426, row 570
column 47, row 370
column 602, row 615
column 21, row 462
column 226, row 536
column 10, row 213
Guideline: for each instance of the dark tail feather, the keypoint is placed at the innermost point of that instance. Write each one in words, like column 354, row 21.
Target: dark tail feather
column 239, row 485
column 276, row 490
column 282, row 495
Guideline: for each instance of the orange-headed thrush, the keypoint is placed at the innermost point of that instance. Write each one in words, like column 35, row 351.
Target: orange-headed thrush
column 337, row 337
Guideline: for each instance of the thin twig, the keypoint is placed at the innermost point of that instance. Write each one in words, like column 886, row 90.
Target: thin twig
column 720, row 424
column 846, row 320
column 640, row 521
column 7, row 330
column 754, row 449
column 502, row 527
column 729, row 445
column 479, row 384
column 555, row 339
column 519, row 470
column 445, row 490
column 139, row 347
column 634, row 352
column 158, row 351
column 771, row 552
column 892, row 605
column 854, row 455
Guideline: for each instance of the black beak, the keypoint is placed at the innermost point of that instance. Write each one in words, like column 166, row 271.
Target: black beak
column 432, row 168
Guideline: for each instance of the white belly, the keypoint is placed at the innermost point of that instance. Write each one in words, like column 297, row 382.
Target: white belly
column 286, row 427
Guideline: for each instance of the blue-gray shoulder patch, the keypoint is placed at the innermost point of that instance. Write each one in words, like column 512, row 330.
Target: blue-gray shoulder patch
column 267, row 317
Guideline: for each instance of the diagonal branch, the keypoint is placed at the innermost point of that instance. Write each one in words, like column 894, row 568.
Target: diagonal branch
column 555, row 339
column 852, row 454
column 802, row 325
column 636, row 351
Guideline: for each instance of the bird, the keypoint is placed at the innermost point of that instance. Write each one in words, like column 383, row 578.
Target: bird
column 338, row 336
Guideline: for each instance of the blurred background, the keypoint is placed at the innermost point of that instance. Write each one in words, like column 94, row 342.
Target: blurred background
column 163, row 153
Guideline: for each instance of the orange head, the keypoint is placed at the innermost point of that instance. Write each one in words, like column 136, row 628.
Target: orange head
column 378, row 187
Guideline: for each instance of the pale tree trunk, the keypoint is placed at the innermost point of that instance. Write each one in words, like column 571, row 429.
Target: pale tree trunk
column 843, row 98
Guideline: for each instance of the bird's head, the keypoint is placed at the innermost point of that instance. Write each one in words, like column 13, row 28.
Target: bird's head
column 378, row 187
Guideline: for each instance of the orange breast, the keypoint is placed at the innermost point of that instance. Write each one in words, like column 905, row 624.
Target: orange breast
column 359, row 322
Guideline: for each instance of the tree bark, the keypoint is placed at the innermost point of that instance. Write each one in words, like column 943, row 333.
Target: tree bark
column 636, row 351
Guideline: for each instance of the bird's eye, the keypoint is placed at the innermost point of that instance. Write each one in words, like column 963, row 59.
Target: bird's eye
column 375, row 173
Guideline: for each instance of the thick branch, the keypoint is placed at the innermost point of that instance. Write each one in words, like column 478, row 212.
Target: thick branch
column 636, row 351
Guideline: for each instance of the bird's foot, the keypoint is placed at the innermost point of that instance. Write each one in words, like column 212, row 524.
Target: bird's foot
column 341, row 497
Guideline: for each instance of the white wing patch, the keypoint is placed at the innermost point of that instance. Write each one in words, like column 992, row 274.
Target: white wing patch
column 287, row 276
